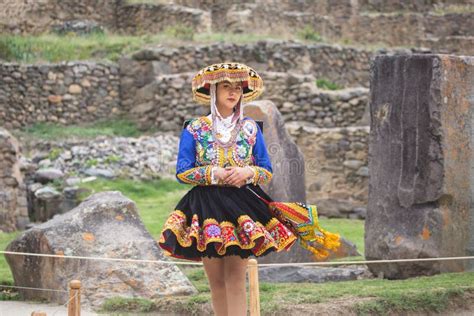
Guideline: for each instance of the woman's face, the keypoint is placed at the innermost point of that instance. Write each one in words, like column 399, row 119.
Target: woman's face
column 228, row 94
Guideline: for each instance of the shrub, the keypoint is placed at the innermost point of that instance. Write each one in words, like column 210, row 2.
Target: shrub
column 308, row 33
column 181, row 32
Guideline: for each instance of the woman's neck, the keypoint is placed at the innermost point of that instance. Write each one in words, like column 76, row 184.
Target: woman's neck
column 224, row 112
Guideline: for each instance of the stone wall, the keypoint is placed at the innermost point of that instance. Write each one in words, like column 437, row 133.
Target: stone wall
column 13, row 205
column 63, row 93
column 407, row 5
column 155, row 83
column 346, row 66
column 36, row 17
column 166, row 102
column 397, row 23
column 336, row 169
column 148, row 18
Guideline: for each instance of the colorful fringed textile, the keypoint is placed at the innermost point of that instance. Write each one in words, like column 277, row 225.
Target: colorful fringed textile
column 302, row 220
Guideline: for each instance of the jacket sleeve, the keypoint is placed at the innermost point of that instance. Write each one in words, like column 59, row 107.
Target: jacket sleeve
column 186, row 170
column 262, row 167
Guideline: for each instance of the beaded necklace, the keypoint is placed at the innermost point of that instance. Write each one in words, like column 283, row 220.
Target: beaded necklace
column 226, row 125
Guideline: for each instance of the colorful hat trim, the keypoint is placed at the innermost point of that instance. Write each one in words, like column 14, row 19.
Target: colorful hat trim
column 233, row 72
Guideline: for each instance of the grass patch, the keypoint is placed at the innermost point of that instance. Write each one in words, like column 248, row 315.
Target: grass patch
column 350, row 229
column 327, row 84
column 56, row 48
column 308, row 33
column 119, row 127
column 453, row 8
column 180, row 31
column 155, row 199
column 431, row 294
column 5, row 273
column 140, row 305
column 107, row 46
column 432, row 301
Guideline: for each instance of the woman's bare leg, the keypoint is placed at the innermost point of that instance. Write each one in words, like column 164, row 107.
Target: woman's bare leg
column 235, row 269
column 214, row 268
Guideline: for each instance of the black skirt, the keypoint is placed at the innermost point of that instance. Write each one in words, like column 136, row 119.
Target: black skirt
column 216, row 221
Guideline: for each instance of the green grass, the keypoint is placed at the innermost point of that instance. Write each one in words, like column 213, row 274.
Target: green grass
column 308, row 33
column 453, row 8
column 139, row 305
column 55, row 48
column 350, row 229
column 154, row 199
column 106, row 46
column 118, row 127
column 416, row 294
column 327, row 85
column 5, row 273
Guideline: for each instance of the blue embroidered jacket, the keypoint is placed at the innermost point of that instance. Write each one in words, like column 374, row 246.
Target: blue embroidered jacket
column 198, row 152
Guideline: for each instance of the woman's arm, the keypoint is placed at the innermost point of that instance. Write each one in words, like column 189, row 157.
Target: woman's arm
column 262, row 167
column 186, row 170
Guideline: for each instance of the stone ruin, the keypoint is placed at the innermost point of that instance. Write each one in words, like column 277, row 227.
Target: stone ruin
column 13, row 205
column 421, row 164
column 439, row 25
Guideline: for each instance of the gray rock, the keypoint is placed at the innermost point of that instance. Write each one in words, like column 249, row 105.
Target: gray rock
column 45, row 202
column 353, row 164
column 363, row 172
column 78, row 27
column 287, row 160
column 308, row 274
column 47, row 193
column 73, row 181
column 48, row 174
column 13, row 196
column 420, row 198
column 103, row 173
column 105, row 225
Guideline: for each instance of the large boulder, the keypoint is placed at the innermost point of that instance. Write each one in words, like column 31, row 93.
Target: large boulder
column 420, row 161
column 13, row 205
column 288, row 183
column 105, row 225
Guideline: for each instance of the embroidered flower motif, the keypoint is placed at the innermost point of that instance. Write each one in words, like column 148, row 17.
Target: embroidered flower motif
column 249, row 128
column 241, row 151
column 213, row 230
column 196, row 124
column 248, row 226
column 210, row 153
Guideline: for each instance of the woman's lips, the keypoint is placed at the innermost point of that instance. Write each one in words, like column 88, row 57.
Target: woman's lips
column 231, row 99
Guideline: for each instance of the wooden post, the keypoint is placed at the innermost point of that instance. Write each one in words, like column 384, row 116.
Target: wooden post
column 38, row 314
column 74, row 305
column 254, row 292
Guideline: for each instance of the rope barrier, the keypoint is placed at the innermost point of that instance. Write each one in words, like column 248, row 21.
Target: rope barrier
column 325, row 263
column 31, row 288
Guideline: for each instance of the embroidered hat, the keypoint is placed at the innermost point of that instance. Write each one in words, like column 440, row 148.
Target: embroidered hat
column 252, row 83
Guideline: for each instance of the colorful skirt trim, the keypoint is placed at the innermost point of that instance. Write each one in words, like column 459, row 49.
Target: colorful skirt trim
column 217, row 221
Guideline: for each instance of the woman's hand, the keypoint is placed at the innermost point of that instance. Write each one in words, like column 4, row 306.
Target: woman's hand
column 221, row 173
column 237, row 176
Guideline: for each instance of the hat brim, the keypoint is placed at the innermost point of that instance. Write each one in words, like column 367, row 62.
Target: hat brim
column 233, row 72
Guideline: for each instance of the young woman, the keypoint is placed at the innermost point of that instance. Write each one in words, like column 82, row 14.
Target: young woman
column 219, row 221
